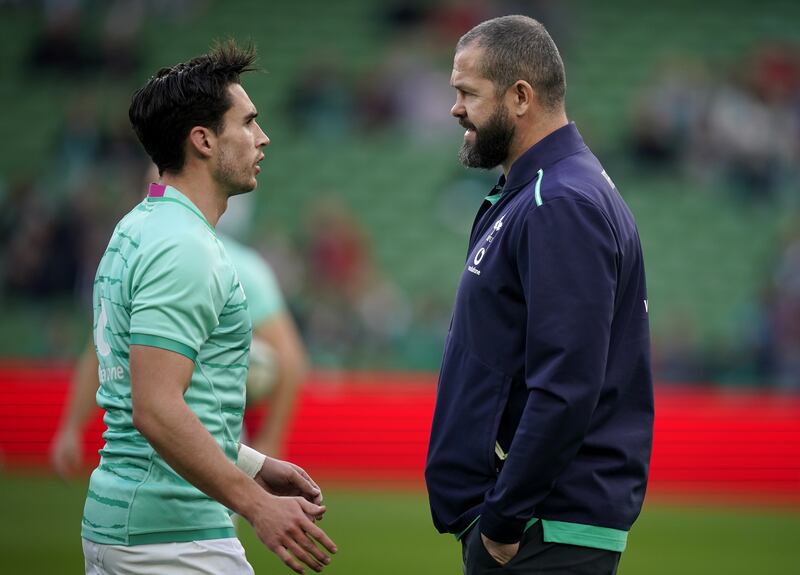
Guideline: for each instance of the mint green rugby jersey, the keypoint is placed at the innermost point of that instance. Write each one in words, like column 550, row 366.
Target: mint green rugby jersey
column 166, row 281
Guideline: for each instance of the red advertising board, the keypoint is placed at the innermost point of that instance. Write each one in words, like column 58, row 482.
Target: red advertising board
column 371, row 430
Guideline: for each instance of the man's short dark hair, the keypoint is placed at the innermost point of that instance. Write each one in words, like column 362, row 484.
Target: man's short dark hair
column 189, row 94
column 519, row 48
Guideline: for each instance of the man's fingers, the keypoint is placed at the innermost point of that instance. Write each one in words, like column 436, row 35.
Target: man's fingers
column 305, row 486
column 308, row 488
column 313, row 530
column 289, row 560
column 311, row 509
column 321, row 537
column 299, row 551
column 307, row 477
column 308, row 544
column 302, row 472
column 502, row 553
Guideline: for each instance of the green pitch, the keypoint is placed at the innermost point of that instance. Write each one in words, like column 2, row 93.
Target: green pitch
column 389, row 533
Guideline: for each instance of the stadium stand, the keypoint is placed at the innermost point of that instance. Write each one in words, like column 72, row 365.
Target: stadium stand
column 708, row 254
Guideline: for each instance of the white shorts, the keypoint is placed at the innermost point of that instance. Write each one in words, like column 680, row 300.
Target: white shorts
column 206, row 557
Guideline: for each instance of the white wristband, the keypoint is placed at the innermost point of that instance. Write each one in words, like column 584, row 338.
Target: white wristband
column 249, row 460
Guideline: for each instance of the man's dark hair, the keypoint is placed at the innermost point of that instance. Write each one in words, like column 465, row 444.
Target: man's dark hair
column 189, row 94
column 519, row 48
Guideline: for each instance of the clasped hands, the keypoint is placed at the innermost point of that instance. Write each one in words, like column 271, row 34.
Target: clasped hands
column 286, row 479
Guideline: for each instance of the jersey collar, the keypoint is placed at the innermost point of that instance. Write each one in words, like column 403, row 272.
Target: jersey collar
column 161, row 192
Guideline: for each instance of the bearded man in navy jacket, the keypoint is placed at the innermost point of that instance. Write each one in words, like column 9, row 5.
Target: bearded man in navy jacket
column 541, row 439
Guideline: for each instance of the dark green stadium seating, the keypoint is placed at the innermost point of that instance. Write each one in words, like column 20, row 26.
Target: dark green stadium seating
column 707, row 255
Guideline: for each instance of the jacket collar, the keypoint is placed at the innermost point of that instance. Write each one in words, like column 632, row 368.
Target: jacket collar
column 557, row 145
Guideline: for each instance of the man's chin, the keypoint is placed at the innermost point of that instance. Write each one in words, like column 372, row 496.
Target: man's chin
column 245, row 189
column 469, row 159
column 465, row 155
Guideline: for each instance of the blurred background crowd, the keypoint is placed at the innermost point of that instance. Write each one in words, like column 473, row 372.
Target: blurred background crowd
column 362, row 208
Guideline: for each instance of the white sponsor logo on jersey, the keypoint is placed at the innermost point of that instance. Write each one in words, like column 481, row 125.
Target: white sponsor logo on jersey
column 495, row 229
column 100, row 331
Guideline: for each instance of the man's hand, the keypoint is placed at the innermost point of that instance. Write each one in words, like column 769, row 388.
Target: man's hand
column 284, row 478
column 283, row 525
column 65, row 453
column 500, row 552
column 159, row 379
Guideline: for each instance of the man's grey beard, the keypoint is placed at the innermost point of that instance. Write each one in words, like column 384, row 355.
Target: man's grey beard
column 492, row 142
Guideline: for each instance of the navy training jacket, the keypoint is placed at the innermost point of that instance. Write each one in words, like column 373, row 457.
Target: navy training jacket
column 544, row 406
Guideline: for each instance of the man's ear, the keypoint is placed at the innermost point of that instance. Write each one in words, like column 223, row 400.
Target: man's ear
column 201, row 142
column 522, row 97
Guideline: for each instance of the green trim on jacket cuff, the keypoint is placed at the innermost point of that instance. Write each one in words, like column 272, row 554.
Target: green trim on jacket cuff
column 473, row 522
column 583, row 535
column 567, row 533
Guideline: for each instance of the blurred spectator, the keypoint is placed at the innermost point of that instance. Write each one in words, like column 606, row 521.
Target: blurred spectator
column 677, row 351
column 78, row 142
column 285, row 257
column 15, row 199
column 351, row 313
column 41, row 257
column 737, row 130
column 669, row 111
column 60, row 46
column 752, row 141
column 776, row 73
column 121, row 154
column 784, row 313
column 336, row 249
column 741, row 130
column 451, row 18
column 320, row 103
column 65, row 47
column 120, row 36
column 403, row 15
column 411, row 88
column 178, row 11
column 409, row 91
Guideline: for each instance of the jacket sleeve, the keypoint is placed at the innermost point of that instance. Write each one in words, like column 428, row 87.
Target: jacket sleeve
column 567, row 258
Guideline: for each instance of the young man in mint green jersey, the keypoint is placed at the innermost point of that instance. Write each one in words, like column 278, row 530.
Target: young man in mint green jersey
column 172, row 334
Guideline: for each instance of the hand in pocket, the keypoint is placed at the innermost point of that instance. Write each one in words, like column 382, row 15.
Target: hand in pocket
column 502, row 553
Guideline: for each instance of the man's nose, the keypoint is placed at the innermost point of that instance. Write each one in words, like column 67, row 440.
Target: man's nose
column 264, row 139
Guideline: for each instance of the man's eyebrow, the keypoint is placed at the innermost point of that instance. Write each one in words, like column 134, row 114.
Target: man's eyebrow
column 251, row 115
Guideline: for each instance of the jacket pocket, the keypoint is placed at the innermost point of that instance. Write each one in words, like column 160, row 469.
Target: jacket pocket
column 470, row 400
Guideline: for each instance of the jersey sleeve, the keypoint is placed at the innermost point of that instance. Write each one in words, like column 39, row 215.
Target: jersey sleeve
column 264, row 296
column 176, row 296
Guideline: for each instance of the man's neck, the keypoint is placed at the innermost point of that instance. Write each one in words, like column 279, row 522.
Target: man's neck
column 532, row 136
column 209, row 199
